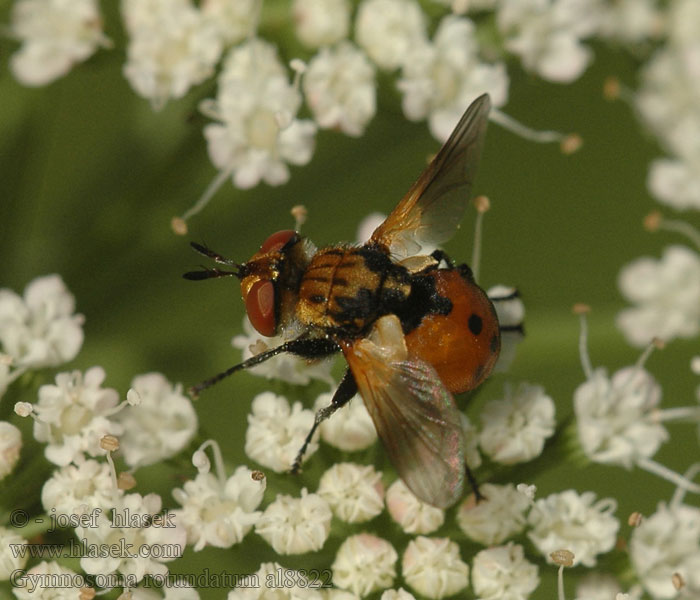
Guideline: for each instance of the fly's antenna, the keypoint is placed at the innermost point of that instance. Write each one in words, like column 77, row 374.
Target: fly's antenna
column 211, row 273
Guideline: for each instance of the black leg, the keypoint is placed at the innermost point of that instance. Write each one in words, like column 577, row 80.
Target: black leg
column 308, row 348
column 346, row 390
column 475, row 486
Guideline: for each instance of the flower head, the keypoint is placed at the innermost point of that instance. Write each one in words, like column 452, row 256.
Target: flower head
column 172, row 46
column 615, row 416
column 547, row 34
column 339, row 87
column 277, row 431
column 441, row 79
column 578, row 523
column 88, row 483
column 219, row 513
column 433, row 567
column 41, row 328
column 162, row 424
column 364, row 564
column 55, row 35
column 665, row 543
column 321, row 22
column 74, row 414
column 516, row 427
column 296, row 525
column 666, row 294
column 504, row 572
column 355, row 493
column 257, row 132
column 387, row 29
column 500, row 515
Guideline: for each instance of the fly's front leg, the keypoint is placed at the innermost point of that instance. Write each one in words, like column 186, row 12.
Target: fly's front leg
column 346, row 390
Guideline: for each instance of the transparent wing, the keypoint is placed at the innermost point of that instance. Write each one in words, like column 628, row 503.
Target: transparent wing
column 416, row 419
column 433, row 208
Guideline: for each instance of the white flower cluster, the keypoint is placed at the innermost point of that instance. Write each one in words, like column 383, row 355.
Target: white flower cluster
column 665, row 294
column 39, row 329
column 669, row 102
column 55, row 35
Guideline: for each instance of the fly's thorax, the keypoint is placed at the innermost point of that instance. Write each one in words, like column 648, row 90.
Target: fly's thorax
column 346, row 288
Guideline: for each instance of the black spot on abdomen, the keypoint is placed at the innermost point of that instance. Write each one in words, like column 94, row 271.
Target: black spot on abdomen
column 475, row 323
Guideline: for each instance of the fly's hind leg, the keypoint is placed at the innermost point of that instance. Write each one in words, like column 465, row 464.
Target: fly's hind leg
column 346, row 390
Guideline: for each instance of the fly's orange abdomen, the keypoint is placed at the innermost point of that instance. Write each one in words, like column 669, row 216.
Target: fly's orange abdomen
column 462, row 345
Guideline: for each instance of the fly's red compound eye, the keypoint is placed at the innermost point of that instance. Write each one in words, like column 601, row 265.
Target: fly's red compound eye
column 277, row 240
column 260, row 306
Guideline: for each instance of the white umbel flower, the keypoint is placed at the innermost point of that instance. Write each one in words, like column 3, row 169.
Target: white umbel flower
column 340, row 89
column 615, row 416
column 503, row 573
column 500, row 515
column 387, row 29
column 516, row 427
column 630, row 21
column 666, row 293
column 219, row 513
column 354, row 492
column 574, row 522
column 296, row 525
column 433, row 567
column 410, row 513
column 665, row 543
column 283, row 367
column 321, row 22
column 160, row 425
column 364, row 564
column 172, row 47
column 675, row 182
column 257, row 132
column 86, row 484
column 74, row 415
column 9, row 563
column 233, row 20
column 277, row 431
column 55, row 35
column 441, row 79
column 10, row 445
column 40, row 329
column 39, row 583
column 150, row 547
column 547, row 35
column 350, row 429
column 273, row 581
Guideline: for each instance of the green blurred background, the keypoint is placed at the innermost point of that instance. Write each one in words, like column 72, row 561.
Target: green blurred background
column 90, row 177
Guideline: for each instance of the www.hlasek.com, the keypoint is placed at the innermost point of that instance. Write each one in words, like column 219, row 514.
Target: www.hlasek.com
column 281, row 578
column 81, row 548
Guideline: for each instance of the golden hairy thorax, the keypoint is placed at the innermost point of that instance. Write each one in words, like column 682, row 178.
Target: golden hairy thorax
column 347, row 288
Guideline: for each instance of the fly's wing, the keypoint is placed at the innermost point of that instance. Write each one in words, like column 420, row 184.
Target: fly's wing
column 433, row 208
column 416, row 419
